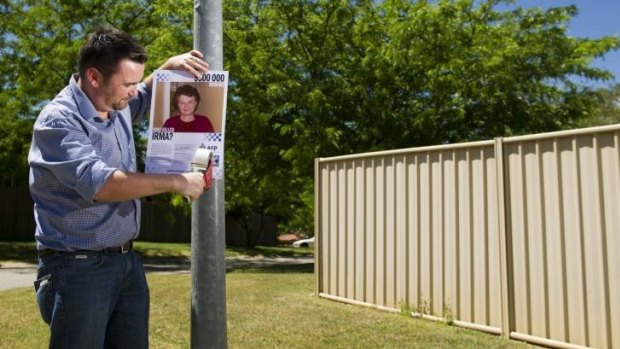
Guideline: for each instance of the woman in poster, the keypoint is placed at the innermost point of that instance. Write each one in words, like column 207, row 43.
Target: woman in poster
column 186, row 99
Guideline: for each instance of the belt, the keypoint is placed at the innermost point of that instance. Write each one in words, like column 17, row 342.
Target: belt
column 124, row 248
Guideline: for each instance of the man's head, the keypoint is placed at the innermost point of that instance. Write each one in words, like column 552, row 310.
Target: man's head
column 105, row 49
column 111, row 65
column 186, row 99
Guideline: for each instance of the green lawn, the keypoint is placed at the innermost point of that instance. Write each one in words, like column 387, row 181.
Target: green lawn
column 266, row 308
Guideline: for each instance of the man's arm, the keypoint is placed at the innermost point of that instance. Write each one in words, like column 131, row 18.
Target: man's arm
column 121, row 186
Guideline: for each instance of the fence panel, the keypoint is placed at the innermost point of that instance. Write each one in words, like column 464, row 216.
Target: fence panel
column 414, row 229
column 564, row 192
column 514, row 236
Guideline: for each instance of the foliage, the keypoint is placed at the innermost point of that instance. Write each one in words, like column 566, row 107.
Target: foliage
column 40, row 41
column 607, row 110
column 15, row 137
column 319, row 78
column 289, row 88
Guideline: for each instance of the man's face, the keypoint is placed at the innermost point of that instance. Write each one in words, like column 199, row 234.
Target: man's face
column 122, row 86
column 186, row 104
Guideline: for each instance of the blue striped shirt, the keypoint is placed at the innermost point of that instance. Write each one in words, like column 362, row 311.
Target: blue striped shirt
column 73, row 153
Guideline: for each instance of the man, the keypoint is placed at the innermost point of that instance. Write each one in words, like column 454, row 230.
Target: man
column 91, row 287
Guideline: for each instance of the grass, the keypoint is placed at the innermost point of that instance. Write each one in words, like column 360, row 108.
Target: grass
column 266, row 308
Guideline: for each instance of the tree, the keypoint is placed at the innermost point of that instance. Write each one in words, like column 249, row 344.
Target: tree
column 317, row 78
column 456, row 71
column 288, row 101
column 39, row 46
column 607, row 110
column 15, row 137
column 322, row 78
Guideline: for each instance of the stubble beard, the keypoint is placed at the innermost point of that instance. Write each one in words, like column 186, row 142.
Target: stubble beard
column 121, row 104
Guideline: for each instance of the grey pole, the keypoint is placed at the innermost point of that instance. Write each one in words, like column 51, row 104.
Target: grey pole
column 208, row 314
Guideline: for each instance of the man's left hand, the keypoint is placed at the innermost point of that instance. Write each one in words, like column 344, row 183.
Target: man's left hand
column 191, row 62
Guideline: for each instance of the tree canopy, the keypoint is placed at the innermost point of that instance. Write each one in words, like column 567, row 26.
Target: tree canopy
column 318, row 78
column 607, row 111
column 323, row 78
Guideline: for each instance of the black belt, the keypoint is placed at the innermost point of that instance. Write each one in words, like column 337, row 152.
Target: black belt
column 126, row 247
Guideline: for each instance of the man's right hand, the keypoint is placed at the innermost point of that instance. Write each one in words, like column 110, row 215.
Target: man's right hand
column 193, row 185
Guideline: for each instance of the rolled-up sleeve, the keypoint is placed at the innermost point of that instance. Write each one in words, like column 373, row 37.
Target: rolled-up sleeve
column 63, row 148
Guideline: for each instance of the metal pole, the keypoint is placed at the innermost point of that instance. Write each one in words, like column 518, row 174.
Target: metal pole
column 208, row 318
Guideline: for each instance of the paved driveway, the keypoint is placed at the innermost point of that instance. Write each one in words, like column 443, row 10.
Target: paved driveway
column 16, row 275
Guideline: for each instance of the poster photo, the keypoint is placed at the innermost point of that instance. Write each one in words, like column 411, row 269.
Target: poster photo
column 186, row 114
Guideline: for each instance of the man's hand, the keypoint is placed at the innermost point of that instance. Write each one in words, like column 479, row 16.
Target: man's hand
column 207, row 181
column 193, row 186
column 192, row 62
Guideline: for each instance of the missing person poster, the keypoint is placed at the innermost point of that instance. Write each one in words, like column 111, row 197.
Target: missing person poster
column 186, row 114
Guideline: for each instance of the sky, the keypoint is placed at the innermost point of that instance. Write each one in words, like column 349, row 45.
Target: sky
column 596, row 18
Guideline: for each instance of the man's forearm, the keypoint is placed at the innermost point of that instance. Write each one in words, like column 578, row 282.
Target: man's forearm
column 123, row 186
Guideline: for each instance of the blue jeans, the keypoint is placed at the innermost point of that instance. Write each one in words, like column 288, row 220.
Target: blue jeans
column 94, row 299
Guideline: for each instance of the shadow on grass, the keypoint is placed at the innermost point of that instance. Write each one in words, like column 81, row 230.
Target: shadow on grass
column 264, row 265
column 265, row 251
column 273, row 268
column 259, row 259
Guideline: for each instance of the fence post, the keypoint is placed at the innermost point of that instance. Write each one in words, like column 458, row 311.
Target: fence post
column 505, row 248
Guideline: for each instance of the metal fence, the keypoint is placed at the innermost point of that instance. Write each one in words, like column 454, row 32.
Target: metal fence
column 514, row 236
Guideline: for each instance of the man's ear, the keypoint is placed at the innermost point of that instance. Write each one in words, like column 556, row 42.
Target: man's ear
column 94, row 77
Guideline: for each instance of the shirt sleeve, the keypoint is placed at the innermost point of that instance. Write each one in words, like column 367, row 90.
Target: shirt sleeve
column 62, row 147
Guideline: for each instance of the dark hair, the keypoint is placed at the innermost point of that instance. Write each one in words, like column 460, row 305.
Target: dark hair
column 106, row 48
column 185, row 90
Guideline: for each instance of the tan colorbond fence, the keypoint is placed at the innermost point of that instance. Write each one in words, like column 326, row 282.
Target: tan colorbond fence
column 516, row 236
